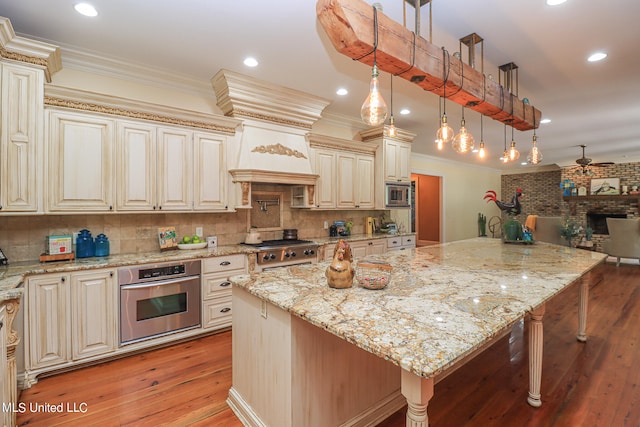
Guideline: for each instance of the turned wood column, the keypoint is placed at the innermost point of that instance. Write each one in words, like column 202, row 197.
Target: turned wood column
column 583, row 299
column 418, row 391
column 535, row 355
column 12, row 306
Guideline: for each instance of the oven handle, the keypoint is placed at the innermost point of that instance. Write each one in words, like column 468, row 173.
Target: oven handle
column 156, row 283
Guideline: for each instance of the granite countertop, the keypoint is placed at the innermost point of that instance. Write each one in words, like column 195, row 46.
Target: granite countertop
column 443, row 302
column 12, row 276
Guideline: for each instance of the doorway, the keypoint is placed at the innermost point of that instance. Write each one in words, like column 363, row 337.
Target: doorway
column 426, row 208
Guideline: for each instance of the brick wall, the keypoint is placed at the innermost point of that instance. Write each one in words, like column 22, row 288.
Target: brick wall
column 542, row 194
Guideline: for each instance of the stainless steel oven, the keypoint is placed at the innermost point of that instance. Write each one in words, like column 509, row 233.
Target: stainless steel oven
column 158, row 299
column 398, row 195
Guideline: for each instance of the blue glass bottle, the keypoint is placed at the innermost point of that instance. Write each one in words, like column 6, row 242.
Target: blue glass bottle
column 85, row 246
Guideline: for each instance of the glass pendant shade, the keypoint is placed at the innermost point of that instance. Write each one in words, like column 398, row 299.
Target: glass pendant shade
column 445, row 133
column 535, row 156
column 482, row 152
column 439, row 144
column 374, row 109
column 463, row 142
column 505, row 156
column 513, row 153
column 392, row 131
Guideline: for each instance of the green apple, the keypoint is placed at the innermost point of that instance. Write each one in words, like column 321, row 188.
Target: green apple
column 186, row 239
column 195, row 239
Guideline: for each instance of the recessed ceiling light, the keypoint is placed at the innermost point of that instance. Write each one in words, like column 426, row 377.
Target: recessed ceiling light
column 545, row 121
column 595, row 57
column 555, row 2
column 251, row 62
column 405, row 111
column 86, row 9
column 342, row 91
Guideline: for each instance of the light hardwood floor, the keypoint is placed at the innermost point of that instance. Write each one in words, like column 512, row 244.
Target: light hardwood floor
column 595, row 384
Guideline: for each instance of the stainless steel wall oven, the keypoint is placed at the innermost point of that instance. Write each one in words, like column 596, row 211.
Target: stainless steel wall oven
column 159, row 299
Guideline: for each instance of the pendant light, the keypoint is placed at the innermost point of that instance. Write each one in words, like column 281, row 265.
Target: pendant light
column 481, row 151
column 445, row 133
column 535, row 156
column 514, row 154
column 463, row 142
column 505, row 153
column 374, row 109
column 438, row 141
column 392, row 127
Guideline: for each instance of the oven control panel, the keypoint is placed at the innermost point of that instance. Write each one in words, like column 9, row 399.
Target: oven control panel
column 171, row 270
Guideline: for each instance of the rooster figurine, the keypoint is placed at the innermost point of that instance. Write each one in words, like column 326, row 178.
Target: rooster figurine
column 513, row 208
column 340, row 272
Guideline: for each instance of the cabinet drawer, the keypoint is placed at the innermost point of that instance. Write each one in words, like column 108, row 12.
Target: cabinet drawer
column 217, row 313
column 409, row 241
column 224, row 263
column 394, row 242
column 215, row 286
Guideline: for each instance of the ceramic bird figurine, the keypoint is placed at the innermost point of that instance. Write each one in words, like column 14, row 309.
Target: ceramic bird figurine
column 513, row 208
column 340, row 272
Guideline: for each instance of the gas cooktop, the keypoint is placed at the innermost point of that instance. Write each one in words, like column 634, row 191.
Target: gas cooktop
column 279, row 243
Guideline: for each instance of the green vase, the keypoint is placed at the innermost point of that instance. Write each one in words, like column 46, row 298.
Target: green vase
column 512, row 230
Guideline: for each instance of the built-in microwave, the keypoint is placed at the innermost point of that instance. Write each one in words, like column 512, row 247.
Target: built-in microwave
column 398, row 195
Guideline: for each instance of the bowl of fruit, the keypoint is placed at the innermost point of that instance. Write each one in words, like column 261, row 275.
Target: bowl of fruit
column 192, row 242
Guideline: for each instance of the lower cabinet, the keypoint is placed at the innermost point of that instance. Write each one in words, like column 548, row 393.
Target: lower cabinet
column 401, row 242
column 216, row 289
column 70, row 317
column 359, row 248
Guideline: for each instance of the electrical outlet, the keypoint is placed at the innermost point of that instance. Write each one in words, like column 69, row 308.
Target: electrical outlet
column 326, row 225
column 263, row 309
column 199, row 231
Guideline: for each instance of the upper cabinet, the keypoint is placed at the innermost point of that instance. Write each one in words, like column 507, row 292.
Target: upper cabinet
column 346, row 176
column 393, row 158
column 80, row 169
column 157, row 166
column 21, row 126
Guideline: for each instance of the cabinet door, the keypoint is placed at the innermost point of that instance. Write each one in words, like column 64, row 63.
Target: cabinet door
column 376, row 247
column 175, row 169
column 48, row 320
column 325, row 167
column 346, row 178
column 80, row 162
column 404, row 160
column 93, row 323
column 136, row 167
column 396, row 161
column 21, row 136
column 364, row 182
column 210, row 173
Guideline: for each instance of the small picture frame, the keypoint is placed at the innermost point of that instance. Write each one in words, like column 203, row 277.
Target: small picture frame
column 582, row 191
column 605, row 186
column 167, row 238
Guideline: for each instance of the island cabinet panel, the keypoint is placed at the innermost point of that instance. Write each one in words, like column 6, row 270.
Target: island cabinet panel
column 93, row 315
column 80, row 175
column 21, row 137
column 48, row 320
column 304, row 376
column 364, row 248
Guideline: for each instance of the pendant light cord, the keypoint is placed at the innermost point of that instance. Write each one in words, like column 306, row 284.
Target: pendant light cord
column 375, row 37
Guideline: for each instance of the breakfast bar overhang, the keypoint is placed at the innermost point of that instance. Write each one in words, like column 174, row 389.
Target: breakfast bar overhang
column 307, row 354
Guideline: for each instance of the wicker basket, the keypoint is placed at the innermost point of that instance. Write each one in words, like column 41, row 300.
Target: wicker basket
column 373, row 274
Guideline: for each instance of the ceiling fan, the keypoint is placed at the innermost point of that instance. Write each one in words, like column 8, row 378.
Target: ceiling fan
column 585, row 163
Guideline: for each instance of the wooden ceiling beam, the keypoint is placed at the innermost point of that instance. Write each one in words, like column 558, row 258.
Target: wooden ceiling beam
column 349, row 25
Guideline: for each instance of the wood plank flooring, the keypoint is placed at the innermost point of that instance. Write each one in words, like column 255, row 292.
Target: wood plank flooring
column 595, row 384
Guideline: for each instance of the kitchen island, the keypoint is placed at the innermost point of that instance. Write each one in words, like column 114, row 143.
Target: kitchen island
column 307, row 354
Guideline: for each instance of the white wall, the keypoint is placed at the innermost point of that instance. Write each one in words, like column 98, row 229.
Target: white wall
column 462, row 194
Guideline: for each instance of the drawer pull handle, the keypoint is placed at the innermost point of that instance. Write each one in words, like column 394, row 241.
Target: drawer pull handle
column 225, row 310
column 394, row 242
column 225, row 284
column 225, row 263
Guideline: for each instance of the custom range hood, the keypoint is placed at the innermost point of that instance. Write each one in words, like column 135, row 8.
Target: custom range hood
column 272, row 145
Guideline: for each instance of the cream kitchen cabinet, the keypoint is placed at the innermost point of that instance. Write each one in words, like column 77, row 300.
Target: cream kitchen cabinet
column 324, row 162
column 21, row 136
column 93, row 313
column 48, row 320
column 5, row 383
column 216, row 289
column 80, row 167
column 361, row 249
column 396, row 161
column 166, row 168
column 401, row 242
column 355, row 181
column 69, row 317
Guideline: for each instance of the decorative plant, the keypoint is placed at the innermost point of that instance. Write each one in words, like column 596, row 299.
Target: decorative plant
column 482, row 225
column 570, row 229
column 588, row 233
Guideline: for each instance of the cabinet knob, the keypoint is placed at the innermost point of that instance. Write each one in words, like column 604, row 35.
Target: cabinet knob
column 225, row 263
column 111, row 274
column 225, row 310
column 154, row 207
column 225, row 284
column 110, row 207
column 159, row 207
column 62, row 279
